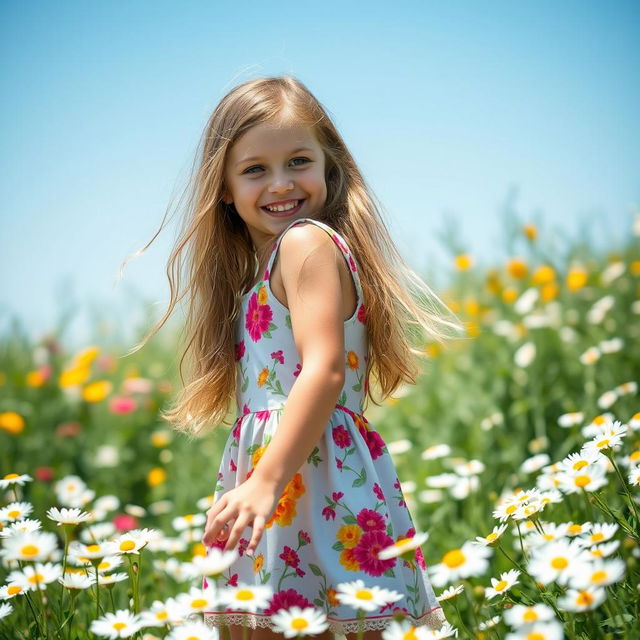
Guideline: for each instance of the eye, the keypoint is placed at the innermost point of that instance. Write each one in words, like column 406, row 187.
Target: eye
column 249, row 169
column 301, row 158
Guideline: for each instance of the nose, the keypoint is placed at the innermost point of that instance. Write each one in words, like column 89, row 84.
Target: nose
column 280, row 184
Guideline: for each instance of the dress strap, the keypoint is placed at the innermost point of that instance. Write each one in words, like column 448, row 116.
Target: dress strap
column 335, row 236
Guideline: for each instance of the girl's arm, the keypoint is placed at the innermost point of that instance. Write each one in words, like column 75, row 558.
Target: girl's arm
column 311, row 278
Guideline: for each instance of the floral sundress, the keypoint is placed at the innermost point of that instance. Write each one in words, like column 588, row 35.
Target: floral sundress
column 343, row 505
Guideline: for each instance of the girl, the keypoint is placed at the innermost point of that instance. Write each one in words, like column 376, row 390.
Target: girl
column 298, row 295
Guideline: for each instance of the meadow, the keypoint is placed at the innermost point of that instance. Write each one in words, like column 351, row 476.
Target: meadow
column 518, row 450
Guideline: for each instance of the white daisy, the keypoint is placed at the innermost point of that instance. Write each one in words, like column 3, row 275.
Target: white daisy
column 97, row 531
column 132, row 541
column 582, row 599
column 557, row 561
column 492, row 537
column 14, row 478
column 469, row 468
column 489, row 623
column 608, row 436
column 215, row 562
column 599, row 573
column 498, row 587
column 108, row 578
column 607, row 399
column 577, row 461
column 551, row 630
column 356, row 595
column 399, row 446
column 611, row 346
column 441, row 481
column 551, row 496
column 69, row 490
column 11, row 590
column 121, row 624
column 5, row 609
column 197, row 600
column 67, row 516
column 299, row 622
column 469, row 560
column 604, row 550
column 403, row 545
column 634, row 422
column 106, row 503
column 157, row 615
column 403, row 630
column 600, row 532
column 535, row 463
column 552, row 531
column 520, row 615
column 21, row 526
column 15, row 511
column 94, row 551
column 430, row 496
column 37, row 576
column 567, row 420
column 590, row 356
column 76, row 581
column 135, row 510
column 108, row 563
column 450, row 592
column 445, row 631
column 627, row 388
column 36, row 546
column 181, row 523
column 436, row 451
column 246, row 597
column 577, row 528
column 634, row 476
column 589, row 479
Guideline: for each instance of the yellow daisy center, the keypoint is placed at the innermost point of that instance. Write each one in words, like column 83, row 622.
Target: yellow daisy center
column 30, row 550
column 38, row 577
column 93, row 547
column 584, row 598
column 118, row 626
column 582, row 481
column 299, row 623
column 492, row 536
column 530, row 616
column 244, row 594
column 402, row 542
column 364, row 594
column 127, row 545
column 410, row 635
column 161, row 615
column 560, row 563
column 11, row 476
column 501, row 585
column 580, row 464
column 13, row 514
column 198, row 602
column 453, row 558
column 598, row 576
column 510, row 509
column 13, row 589
column 534, row 635
column 603, row 443
column 574, row 528
column 597, row 537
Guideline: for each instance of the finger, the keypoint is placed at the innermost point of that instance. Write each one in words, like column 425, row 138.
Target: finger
column 258, row 528
column 236, row 532
column 215, row 525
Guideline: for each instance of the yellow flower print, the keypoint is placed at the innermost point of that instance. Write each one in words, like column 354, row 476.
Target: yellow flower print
column 349, row 535
column 257, row 454
column 257, row 563
column 332, row 597
column 262, row 295
column 295, row 488
column 262, row 378
column 348, row 561
column 285, row 510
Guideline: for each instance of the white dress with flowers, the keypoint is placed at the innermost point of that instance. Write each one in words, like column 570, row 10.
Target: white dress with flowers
column 343, row 505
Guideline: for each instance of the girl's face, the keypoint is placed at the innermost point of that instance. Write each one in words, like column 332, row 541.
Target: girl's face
column 274, row 166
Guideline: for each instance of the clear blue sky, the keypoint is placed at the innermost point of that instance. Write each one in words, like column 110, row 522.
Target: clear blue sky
column 448, row 107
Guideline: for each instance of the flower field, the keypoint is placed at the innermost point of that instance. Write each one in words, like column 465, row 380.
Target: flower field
column 518, row 451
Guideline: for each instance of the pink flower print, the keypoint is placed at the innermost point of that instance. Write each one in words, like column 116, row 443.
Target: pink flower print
column 352, row 264
column 290, row 557
column 336, row 495
column 374, row 442
column 420, row 559
column 401, row 610
column 340, row 244
column 378, row 491
column 396, row 484
column 367, row 549
column 245, row 409
column 258, row 318
column 232, row 465
column 263, row 416
column 233, row 580
column 236, row 431
column 286, row 599
column 277, row 355
column 243, row 543
column 303, row 538
column 300, row 572
column 240, row 350
column 370, row 520
column 329, row 513
column 362, row 314
column 297, row 370
column 338, row 464
column 341, row 436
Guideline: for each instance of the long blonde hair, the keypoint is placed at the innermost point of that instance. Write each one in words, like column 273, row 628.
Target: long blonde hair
column 402, row 312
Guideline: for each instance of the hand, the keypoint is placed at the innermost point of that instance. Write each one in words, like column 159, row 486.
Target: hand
column 250, row 504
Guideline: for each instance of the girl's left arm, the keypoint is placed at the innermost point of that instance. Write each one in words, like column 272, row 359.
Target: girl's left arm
column 311, row 278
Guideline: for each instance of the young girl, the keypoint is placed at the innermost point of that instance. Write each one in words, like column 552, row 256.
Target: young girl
column 298, row 295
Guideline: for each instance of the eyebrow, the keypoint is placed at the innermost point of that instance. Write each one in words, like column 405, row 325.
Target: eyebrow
column 252, row 158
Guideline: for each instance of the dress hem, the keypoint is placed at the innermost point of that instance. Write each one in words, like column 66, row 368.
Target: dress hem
column 433, row 619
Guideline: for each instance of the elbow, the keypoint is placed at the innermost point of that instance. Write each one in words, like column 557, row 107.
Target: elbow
column 327, row 374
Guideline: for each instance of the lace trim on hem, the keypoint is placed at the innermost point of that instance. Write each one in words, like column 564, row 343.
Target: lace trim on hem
column 433, row 619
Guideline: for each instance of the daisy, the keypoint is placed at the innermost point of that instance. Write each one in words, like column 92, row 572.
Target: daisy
column 489, row 623
column 98, row 531
column 5, row 609
column 121, row 624
column 579, row 460
column 246, row 597
column 634, row 476
column 590, row 356
column 557, row 561
column 441, row 481
column 190, row 520
column 576, row 528
column 600, row 573
column 197, row 600
column 469, row 468
column 600, row 532
column 492, row 537
column 603, row 550
column 132, row 541
column 106, row 503
column 215, row 562
column 15, row 511
column 607, row 399
column 445, row 631
column 76, row 581
column 607, row 437
column 14, row 478
column 108, row 578
column 520, row 615
column 403, row 631
column 90, row 552
column 527, row 510
column 193, row 631
column 626, row 388
column 37, row 576
column 469, row 560
column 299, row 622
column 436, row 451
column 535, row 463
column 431, row 496
column 21, row 526
column 582, row 599
column 551, row 630
column 399, row 446
column 109, row 563
column 590, row 479
column 634, row 422
column 69, row 490
column 11, row 590
column 356, row 595
column 158, row 614
column 451, row 592
column 550, row 496
column 506, row 509
column 611, row 346
column 552, row 531
column 567, row 420
column 67, row 516
column 507, row 580
column 402, row 546
column 35, row 547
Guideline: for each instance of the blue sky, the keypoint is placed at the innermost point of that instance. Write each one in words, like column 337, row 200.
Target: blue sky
column 451, row 110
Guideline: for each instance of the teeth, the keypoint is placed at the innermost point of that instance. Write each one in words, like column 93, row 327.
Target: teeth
column 283, row 207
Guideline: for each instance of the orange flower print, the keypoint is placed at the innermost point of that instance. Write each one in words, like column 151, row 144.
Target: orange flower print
column 257, row 563
column 262, row 295
column 348, row 561
column 352, row 359
column 349, row 535
column 263, row 376
column 257, row 454
column 285, row 512
column 294, row 487
column 332, row 597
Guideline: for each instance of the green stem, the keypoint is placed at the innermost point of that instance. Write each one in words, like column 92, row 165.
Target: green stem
column 632, row 504
column 360, row 624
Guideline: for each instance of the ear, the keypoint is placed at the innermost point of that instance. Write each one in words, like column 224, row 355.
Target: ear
column 226, row 197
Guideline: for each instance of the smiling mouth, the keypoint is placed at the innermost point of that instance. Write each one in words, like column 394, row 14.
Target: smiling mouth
column 284, row 209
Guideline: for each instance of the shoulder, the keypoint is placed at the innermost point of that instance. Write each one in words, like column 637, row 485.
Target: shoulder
column 307, row 241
